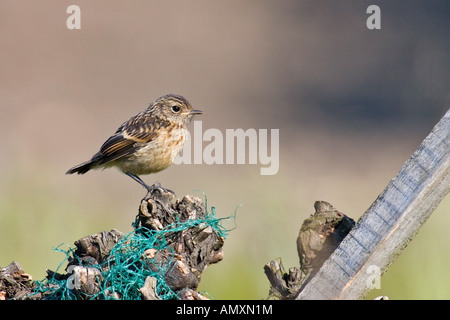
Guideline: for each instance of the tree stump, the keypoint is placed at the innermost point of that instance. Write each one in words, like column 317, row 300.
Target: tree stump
column 319, row 236
column 163, row 258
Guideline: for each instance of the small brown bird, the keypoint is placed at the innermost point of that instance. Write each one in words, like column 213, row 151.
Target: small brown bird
column 146, row 143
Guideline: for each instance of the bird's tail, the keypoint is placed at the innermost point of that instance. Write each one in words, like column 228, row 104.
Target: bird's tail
column 81, row 168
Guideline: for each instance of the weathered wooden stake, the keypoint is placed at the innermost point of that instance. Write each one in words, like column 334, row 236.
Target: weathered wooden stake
column 389, row 224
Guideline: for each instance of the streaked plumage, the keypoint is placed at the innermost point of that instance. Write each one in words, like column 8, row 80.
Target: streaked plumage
column 146, row 143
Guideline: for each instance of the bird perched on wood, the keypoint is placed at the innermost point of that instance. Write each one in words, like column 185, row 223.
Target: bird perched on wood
column 148, row 142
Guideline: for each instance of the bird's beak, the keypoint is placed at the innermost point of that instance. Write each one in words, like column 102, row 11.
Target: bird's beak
column 192, row 113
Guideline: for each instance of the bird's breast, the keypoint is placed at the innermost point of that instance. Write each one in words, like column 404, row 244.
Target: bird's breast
column 155, row 155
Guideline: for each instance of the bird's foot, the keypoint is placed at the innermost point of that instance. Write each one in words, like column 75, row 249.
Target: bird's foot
column 156, row 187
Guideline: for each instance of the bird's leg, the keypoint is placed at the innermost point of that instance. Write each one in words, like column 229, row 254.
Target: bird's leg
column 146, row 186
column 139, row 180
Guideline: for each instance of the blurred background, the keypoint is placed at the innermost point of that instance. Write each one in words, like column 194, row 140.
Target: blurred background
column 351, row 105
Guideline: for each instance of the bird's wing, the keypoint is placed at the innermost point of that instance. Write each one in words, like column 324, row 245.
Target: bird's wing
column 130, row 137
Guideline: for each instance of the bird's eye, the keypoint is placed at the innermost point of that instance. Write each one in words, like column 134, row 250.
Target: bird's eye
column 176, row 109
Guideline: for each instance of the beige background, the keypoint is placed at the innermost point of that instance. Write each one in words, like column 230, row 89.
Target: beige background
column 351, row 105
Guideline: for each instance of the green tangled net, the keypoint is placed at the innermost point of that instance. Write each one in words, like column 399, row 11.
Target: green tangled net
column 127, row 267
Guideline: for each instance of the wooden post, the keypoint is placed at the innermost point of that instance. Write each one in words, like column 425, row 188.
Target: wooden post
column 389, row 224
